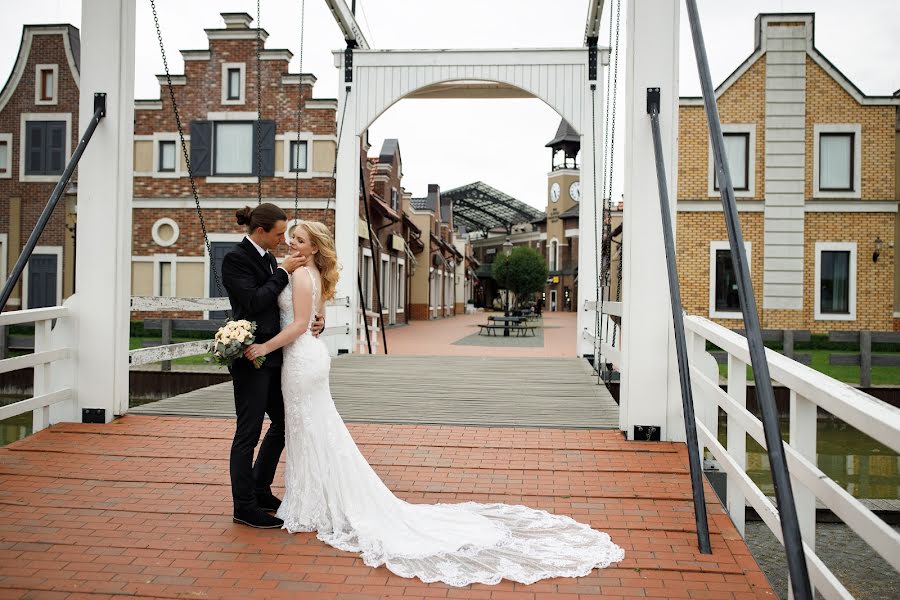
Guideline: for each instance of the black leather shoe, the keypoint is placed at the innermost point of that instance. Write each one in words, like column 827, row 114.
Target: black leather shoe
column 268, row 502
column 257, row 518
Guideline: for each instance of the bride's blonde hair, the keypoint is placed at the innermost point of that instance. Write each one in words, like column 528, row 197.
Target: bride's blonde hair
column 325, row 258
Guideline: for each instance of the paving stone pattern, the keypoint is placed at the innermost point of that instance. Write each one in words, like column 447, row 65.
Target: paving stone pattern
column 142, row 507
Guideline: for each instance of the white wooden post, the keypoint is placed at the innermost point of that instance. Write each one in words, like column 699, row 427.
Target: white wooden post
column 802, row 437
column 346, row 213
column 41, row 416
column 704, row 407
column 103, row 258
column 650, row 393
column 737, row 441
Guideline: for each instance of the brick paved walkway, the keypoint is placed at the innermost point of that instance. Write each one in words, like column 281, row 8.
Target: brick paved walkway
column 141, row 507
column 436, row 338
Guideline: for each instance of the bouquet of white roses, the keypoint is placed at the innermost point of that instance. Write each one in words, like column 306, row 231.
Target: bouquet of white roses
column 230, row 341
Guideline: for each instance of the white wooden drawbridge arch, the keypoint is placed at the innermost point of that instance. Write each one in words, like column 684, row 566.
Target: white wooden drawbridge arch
column 374, row 80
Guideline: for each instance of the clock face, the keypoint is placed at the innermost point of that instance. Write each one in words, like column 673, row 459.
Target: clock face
column 554, row 192
column 575, row 191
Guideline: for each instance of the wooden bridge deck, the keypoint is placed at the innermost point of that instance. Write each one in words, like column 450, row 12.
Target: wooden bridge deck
column 141, row 507
column 445, row 390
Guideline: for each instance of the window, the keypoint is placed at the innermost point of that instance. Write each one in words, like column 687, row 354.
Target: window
column 167, row 157
column 554, row 255
column 740, row 152
column 234, row 149
column 401, row 285
column 226, row 146
column 164, row 288
column 395, row 199
column 367, row 277
column 723, row 294
column 726, row 283
column 5, row 154
column 835, row 283
column 165, row 232
column 298, row 156
column 42, row 279
column 737, row 151
column 836, row 161
column 384, row 276
column 234, row 84
column 46, row 83
column 45, row 147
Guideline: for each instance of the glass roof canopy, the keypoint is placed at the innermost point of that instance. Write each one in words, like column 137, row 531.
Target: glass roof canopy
column 478, row 206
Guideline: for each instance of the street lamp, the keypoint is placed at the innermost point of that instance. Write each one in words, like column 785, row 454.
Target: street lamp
column 507, row 250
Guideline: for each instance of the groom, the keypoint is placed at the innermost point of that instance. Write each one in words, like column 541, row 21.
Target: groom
column 253, row 280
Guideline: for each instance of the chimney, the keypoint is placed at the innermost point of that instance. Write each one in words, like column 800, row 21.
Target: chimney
column 434, row 198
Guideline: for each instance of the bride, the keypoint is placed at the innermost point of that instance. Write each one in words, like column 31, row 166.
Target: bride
column 331, row 489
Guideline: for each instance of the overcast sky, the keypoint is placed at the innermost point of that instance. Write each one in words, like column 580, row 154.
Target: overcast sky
column 501, row 142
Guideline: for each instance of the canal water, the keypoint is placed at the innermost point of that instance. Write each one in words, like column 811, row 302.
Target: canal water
column 864, row 467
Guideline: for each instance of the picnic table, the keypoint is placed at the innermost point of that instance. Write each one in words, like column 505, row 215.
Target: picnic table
column 520, row 329
column 512, row 320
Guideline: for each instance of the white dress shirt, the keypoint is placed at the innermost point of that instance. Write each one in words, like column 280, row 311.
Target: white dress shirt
column 262, row 253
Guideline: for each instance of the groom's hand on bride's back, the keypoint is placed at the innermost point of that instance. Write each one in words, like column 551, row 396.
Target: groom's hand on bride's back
column 318, row 325
column 292, row 263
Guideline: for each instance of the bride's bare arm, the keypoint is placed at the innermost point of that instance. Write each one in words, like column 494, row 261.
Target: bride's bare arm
column 302, row 300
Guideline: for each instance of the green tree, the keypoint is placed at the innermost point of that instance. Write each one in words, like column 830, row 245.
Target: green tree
column 523, row 272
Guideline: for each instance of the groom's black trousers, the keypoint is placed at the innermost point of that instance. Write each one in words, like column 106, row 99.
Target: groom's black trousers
column 256, row 392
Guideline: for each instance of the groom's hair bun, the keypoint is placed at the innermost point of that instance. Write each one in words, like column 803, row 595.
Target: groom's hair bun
column 244, row 215
column 265, row 215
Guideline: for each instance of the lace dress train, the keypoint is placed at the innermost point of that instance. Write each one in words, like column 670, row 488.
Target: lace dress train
column 331, row 489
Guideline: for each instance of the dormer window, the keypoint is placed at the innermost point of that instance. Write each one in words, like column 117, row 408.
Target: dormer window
column 233, row 83
column 46, row 84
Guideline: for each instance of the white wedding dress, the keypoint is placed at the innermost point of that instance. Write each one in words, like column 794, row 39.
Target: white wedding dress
column 331, row 489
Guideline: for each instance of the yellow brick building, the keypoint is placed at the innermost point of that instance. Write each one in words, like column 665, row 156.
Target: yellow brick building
column 815, row 164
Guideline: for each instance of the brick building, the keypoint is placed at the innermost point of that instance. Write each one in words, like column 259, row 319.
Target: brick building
column 217, row 100
column 441, row 272
column 38, row 133
column 814, row 164
column 383, row 232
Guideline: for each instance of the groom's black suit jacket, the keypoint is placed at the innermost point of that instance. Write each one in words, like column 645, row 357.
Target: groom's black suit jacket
column 253, row 283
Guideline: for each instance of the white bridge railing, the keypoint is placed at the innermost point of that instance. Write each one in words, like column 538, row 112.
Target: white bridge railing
column 809, row 390
column 44, row 358
column 143, row 356
column 610, row 352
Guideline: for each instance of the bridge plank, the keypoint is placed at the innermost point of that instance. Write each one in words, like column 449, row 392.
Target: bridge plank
column 525, row 392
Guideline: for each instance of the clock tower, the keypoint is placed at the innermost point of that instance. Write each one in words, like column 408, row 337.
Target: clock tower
column 563, row 195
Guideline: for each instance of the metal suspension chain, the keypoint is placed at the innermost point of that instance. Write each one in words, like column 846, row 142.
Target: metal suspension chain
column 295, row 159
column 187, row 158
column 258, row 109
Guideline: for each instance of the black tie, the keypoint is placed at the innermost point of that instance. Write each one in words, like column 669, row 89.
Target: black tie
column 268, row 258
